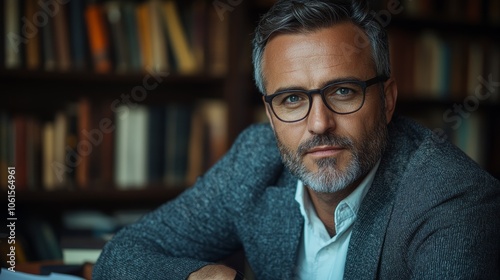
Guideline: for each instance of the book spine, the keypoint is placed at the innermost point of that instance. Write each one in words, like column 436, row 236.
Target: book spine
column 84, row 147
column 98, row 38
column 78, row 38
column 61, row 38
column 132, row 36
column 33, row 57
column 178, row 39
column 13, row 39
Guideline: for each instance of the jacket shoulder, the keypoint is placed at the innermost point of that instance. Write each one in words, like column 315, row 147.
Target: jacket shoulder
column 426, row 154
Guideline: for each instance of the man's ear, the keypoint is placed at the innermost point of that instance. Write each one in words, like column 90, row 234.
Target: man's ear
column 391, row 96
column 268, row 112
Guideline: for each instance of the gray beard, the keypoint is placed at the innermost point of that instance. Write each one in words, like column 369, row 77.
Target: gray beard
column 329, row 178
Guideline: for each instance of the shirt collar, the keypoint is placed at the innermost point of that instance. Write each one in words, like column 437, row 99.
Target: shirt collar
column 353, row 200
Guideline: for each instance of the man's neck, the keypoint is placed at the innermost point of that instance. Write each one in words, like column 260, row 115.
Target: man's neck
column 326, row 203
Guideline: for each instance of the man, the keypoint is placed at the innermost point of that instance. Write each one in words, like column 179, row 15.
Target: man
column 336, row 187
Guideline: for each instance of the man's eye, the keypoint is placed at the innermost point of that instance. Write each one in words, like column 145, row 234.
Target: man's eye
column 343, row 91
column 292, row 98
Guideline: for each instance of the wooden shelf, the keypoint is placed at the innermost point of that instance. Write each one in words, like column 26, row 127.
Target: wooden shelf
column 417, row 103
column 447, row 26
column 16, row 82
column 84, row 77
column 29, row 91
column 110, row 199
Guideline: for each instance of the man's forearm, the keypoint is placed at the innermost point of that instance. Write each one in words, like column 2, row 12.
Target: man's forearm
column 213, row 272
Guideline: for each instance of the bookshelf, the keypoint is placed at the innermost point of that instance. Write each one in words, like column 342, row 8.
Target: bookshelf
column 89, row 68
column 447, row 62
column 105, row 200
column 37, row 89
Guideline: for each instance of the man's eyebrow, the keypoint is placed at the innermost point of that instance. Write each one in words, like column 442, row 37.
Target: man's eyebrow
column 336, row 80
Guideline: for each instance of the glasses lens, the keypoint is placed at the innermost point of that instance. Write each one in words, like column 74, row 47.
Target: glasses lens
column 345, row 97
column 291, row 106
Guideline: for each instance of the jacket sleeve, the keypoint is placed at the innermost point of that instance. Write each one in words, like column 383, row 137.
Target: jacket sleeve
column 458, row 239
column 197, row 228
column 456, row 221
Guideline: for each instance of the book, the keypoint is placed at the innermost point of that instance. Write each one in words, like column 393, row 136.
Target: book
column 156, row 144
column 171, row 139
column 61, row 38
column 20, row 129
column 84, row 146
column 137, row 165
column 198, row 31
column 77, row 249
column 468, row 137
column 475, row 66
column 33, row 153
column 427, row 73
column 159, row 46
column 48, row 176
column 48, row 48
column 183, row 134
column 132, row 36
column 458, row 69
column 402, row 46
column 178, row 39
column 14, row 40
column 131, row 148
column 215, row 113
column 58, row 166
column 99, row 137
column 195, row 154
column 78, row 35
column 117, row 27
column 98, row 35
column 72, row 159
column 144, row 31
column 177, row 135
column 443, row 80
column 33, row 57
column 107, row 128
column 218, row 41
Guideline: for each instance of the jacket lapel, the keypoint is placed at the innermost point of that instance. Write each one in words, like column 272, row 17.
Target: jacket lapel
column 293, row 223
column 367, row 240
column 368, row 234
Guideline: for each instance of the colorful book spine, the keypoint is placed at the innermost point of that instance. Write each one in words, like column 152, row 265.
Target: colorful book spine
column 98, row 38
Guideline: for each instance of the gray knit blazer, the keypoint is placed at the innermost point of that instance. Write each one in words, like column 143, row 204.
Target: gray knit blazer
column 431, row 213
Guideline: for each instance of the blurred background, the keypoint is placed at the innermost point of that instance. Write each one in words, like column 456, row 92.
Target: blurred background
column 111, row 108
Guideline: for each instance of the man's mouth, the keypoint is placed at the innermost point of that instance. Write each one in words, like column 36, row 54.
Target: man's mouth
column 324, row 151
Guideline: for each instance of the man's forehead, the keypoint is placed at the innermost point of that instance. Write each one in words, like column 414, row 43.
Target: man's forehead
column 342, row 41
column 335, row 48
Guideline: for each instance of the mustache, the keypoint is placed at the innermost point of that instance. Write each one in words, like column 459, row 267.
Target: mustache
column 325, row 140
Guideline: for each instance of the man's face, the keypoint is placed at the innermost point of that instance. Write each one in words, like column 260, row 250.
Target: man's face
column 328, row 151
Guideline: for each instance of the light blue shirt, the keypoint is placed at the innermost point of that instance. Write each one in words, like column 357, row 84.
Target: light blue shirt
column 321, row 257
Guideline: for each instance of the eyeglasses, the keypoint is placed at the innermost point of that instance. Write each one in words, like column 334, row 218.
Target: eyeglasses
column 343, row 97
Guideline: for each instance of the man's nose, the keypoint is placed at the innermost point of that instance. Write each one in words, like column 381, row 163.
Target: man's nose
column 320, row 118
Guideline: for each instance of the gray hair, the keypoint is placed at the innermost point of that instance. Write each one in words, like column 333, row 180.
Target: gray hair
column 298, row 16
